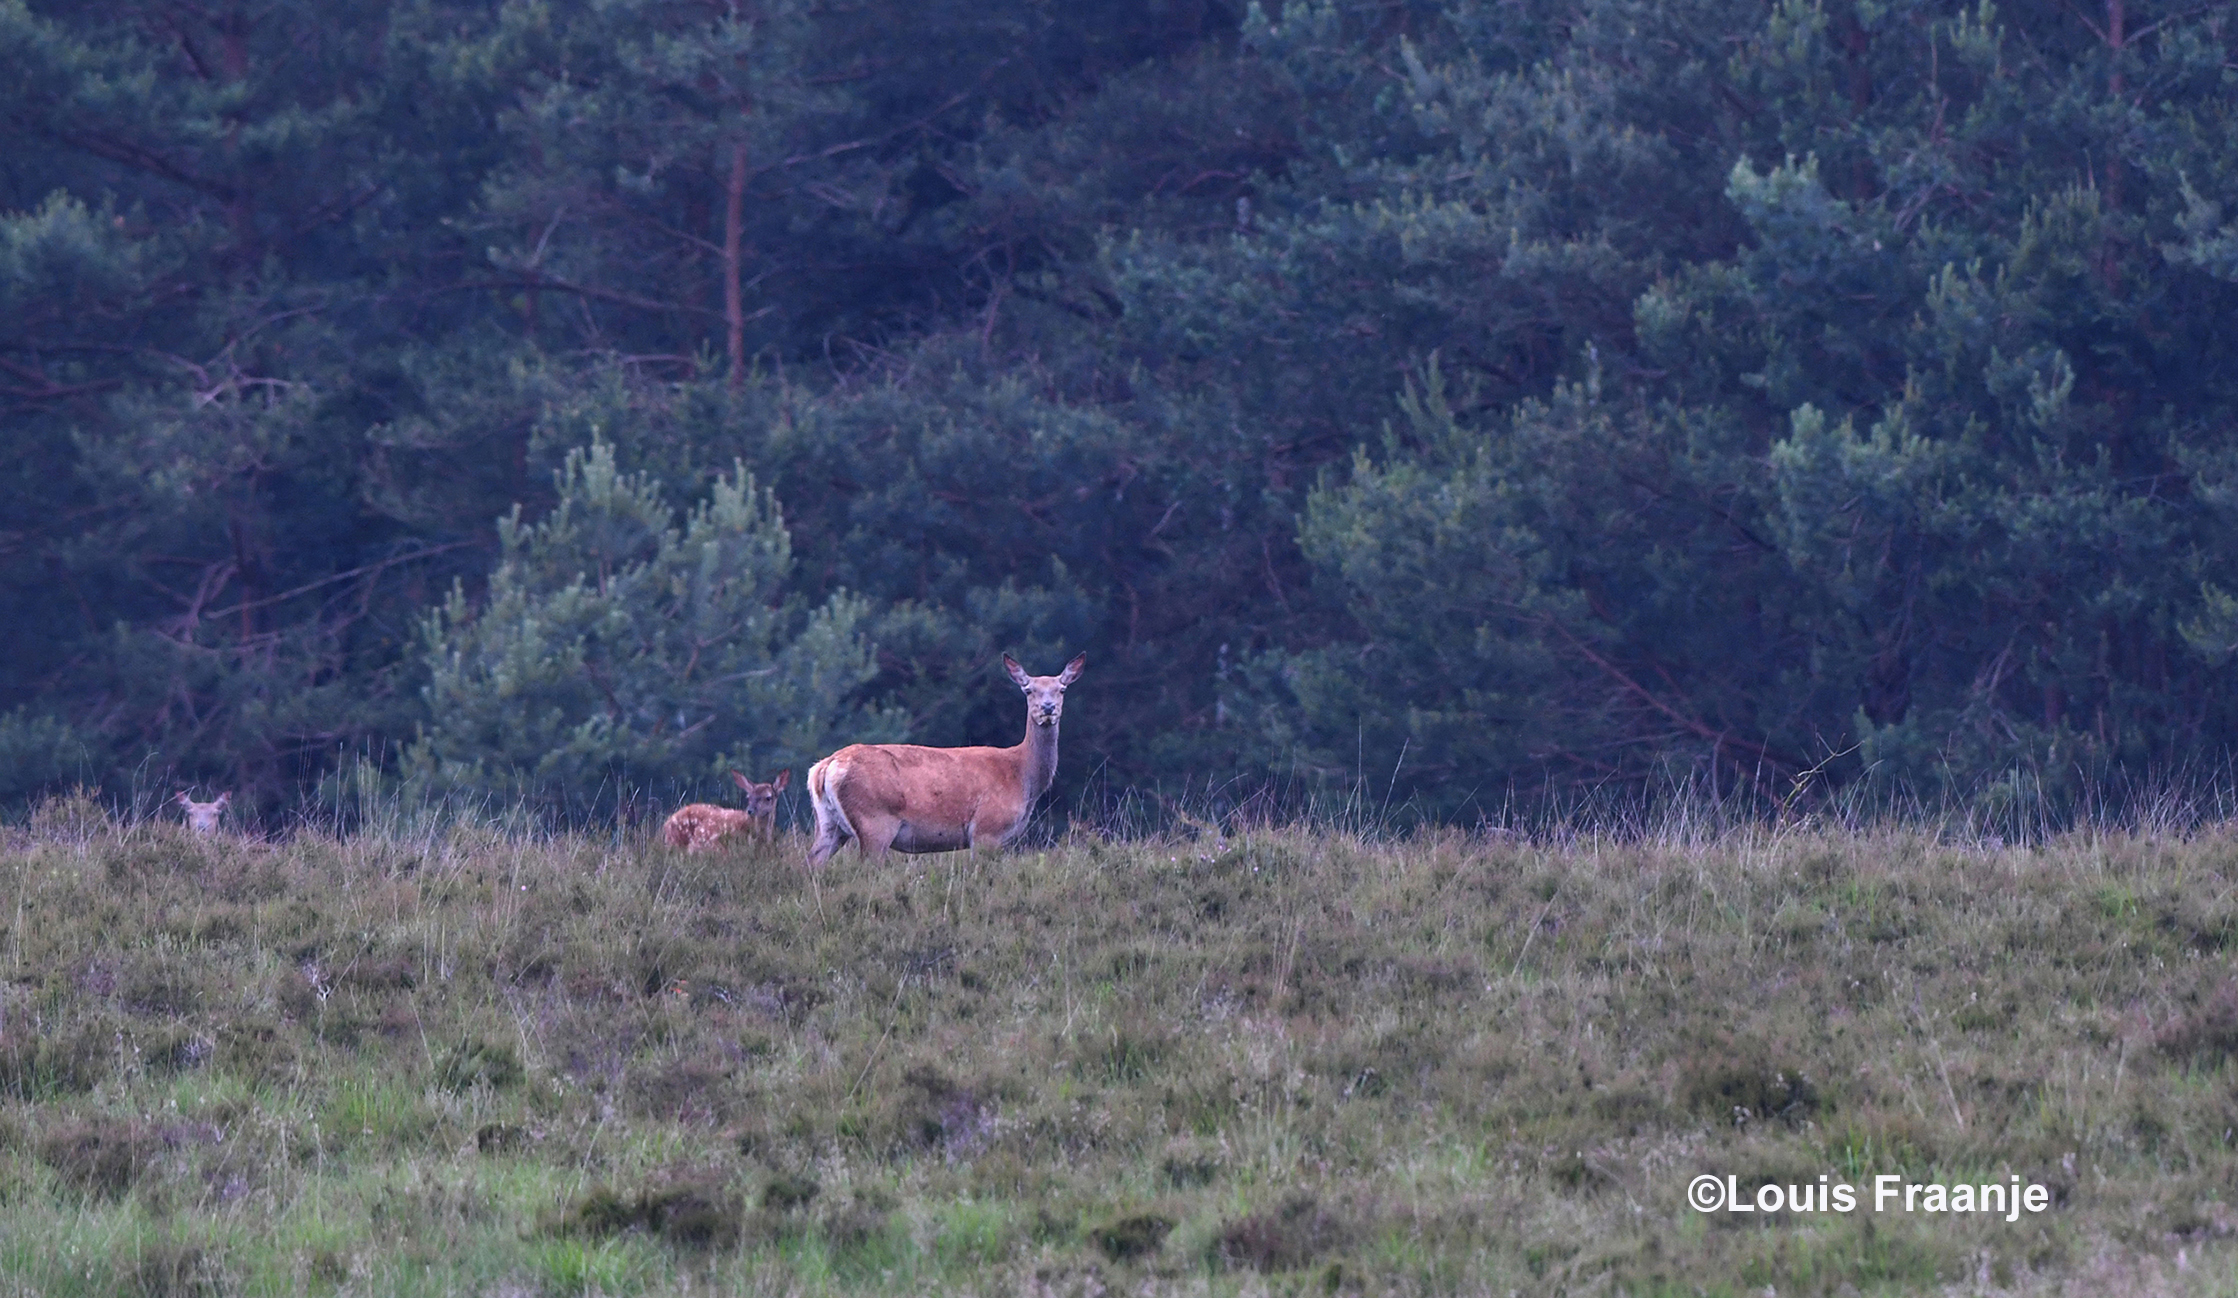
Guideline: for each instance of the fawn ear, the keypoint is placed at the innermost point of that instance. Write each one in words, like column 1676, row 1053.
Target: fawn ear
column 784, row 778
column 742, row 782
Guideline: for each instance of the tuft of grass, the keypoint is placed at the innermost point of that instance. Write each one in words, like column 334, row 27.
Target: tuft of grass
column 1133, row 1237
column 699, row 1212
column 2204, row 1033
column 474, row 1062
column 788, row 1191
column 567, row 1268
column 102, row 1158
column 1285, row 1238
column 169, row 1270
column 1731, row 1081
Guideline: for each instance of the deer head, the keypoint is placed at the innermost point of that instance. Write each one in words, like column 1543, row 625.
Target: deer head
column 202, row 817
column 1045, row 695
column 761, row 799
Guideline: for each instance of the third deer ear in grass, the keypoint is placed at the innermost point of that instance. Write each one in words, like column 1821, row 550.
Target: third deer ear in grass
column 202, row 817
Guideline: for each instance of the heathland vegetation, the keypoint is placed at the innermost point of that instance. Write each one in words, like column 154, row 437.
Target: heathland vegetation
column 445, row 436
column 562, row 402
column 444, row 1058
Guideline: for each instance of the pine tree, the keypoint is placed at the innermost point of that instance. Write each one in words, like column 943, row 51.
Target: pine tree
column 624, row 652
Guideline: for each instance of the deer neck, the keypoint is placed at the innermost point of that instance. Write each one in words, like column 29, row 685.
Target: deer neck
column 1037, row 760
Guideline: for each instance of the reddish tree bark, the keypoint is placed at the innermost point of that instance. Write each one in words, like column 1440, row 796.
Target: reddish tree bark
column 734, row 228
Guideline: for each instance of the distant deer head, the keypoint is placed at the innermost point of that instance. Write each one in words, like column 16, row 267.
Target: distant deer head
column 202, row 817
column 702, row 826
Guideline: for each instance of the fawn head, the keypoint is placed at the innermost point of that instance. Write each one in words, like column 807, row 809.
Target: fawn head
column 761, row 799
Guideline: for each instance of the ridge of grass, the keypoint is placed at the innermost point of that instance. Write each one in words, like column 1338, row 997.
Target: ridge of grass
column 464, row 1061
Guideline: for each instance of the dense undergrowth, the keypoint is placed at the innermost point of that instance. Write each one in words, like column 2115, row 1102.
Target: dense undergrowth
column 467, row 1062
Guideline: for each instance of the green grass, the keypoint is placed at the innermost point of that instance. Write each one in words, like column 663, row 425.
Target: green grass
column 465, row 1062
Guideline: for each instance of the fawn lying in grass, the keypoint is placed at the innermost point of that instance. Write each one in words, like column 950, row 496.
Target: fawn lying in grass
column 702, row 826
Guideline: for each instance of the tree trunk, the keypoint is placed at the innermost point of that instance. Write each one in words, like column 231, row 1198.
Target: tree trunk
column 2117, row 38
column 734, row 228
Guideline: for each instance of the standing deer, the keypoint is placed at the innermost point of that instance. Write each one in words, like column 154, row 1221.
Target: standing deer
column 907, row 798
column 702, row 826
column 202, row 817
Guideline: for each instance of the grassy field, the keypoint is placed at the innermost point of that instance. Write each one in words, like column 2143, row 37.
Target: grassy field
column 466, row 1062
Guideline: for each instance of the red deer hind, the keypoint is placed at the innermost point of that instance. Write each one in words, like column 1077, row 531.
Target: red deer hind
column 702, row 826
column 202, row 817
column 907, row 798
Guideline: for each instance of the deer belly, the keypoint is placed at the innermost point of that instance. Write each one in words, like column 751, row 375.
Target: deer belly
column 914, row 837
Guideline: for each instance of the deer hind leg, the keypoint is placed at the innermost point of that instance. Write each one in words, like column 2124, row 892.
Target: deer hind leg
column 827, row 841
column 832, row 832
column 835, row 823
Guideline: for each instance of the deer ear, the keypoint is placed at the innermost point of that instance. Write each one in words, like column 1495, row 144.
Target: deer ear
column 180, row 797
column 784, row 778
column 1071, row 672
column 742, row 781
column 1018, row 675
column 225, row 798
